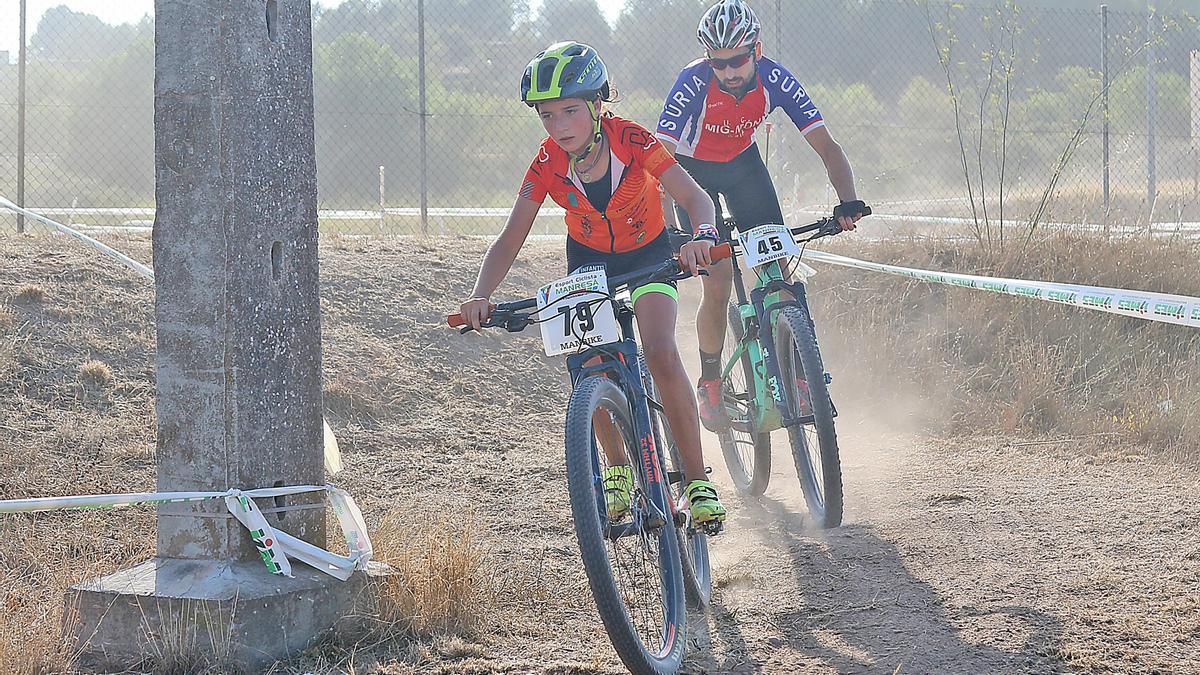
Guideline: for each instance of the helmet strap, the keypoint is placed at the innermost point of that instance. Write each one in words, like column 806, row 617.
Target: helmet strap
column 597, row 136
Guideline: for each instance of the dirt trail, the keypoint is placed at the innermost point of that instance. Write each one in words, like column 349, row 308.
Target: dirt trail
column 954, row 556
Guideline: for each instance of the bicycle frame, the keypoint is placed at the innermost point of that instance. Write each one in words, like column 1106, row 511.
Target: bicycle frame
column 758, row 312
column 619, row 362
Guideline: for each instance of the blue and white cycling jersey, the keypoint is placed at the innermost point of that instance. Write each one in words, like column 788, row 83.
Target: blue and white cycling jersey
column 707, row 123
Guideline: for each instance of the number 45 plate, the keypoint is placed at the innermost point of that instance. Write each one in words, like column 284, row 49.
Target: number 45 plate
column 767, row 243
column 576, row 313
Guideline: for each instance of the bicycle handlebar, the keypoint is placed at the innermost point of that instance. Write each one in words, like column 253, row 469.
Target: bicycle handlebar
column 669, row 270
column 825, row 227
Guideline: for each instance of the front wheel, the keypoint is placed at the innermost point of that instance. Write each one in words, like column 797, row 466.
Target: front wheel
column 814, row 442
column 632, row 563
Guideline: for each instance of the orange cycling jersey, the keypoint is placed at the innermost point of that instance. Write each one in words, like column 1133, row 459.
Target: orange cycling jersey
column 634, row 215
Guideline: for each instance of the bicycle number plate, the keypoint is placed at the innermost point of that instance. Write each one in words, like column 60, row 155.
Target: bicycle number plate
column 767, row 243
column 576, row 313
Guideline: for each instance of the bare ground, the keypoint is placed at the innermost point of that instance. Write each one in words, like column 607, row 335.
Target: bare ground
column 987, row 555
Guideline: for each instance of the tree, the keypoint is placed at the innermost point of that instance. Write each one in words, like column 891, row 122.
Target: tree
column 656, row 39
column 111, row 130
column 64, row 35
column 579, row 20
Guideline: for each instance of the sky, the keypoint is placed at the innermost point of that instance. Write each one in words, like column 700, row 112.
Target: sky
column 128, row 11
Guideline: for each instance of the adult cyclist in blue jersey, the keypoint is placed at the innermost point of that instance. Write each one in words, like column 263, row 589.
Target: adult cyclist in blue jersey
column 708, row 122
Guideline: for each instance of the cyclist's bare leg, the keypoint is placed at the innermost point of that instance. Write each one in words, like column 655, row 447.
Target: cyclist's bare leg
column 656, row 315
column 710, row 318
column 607, row 433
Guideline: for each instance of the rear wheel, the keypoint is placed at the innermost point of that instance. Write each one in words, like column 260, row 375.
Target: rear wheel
column 747, row 451
column 632, row 563
column 814, row 442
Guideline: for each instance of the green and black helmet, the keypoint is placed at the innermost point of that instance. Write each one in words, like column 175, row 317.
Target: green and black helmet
column 564, row 70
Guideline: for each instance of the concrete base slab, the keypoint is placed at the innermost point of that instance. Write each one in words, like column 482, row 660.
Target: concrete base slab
column 191, row 611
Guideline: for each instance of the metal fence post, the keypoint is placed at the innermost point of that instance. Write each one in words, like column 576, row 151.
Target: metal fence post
column 421, row 94
column 382, row 201
column 1104, row 97
column 1195, row 79
column 21, row 121
column 778, row 26
column 1151, row 111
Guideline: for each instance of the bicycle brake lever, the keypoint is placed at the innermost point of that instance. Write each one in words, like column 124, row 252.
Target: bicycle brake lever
column 517, row 324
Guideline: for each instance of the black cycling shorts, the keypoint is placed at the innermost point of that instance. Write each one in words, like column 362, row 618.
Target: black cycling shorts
column 581, row 258
column 745, row 184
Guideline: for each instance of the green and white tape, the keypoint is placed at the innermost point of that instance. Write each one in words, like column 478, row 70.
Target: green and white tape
column 1181, row 310
column 274, row 546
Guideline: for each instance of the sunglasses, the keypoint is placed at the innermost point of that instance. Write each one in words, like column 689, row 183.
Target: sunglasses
column 731, row 62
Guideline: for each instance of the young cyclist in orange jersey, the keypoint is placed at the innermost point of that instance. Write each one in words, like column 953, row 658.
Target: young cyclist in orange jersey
column 605, row 172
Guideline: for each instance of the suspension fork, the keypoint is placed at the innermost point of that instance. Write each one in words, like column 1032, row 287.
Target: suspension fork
column 768, row 301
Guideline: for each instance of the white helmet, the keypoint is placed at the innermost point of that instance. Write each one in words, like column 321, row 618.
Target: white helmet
column 729, row 24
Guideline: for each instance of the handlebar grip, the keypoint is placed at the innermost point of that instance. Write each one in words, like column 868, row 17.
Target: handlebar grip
column 457, row 320
column 717, row 254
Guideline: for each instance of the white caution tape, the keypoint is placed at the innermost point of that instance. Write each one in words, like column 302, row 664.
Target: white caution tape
column 106, row 250
column 274, row 546
column 1163, row 307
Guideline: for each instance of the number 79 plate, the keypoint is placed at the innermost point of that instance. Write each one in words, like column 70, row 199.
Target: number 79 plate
column 576, row 313
column 767, row 243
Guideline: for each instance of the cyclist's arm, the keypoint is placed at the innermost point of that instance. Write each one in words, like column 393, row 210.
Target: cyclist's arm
column 668, row 202
column 503, row 251
column 837, row 165
column 699, row 207
column 684, row 190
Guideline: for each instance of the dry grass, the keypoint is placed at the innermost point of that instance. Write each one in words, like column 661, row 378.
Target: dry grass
column 194, row 640
column 29, row 294
column 445, row 581
column 95, row 375
column 44, row 556
column 986, row 363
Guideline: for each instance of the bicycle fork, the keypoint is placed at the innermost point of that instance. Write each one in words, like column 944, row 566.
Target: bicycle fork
column 766, row 301
column 644, row 453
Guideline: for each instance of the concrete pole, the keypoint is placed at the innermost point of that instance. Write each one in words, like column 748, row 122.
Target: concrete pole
column 21, row 58
column 239, row 344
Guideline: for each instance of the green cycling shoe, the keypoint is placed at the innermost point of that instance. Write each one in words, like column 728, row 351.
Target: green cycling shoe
column 706, row 506
column 618, row 489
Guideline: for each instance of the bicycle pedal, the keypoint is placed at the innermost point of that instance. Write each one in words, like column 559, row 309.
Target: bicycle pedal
column 713, row 527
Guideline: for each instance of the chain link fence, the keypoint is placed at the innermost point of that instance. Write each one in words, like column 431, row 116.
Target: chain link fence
column 956, row 111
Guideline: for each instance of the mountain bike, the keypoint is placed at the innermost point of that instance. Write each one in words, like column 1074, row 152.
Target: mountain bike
column 774, row 377
column 646, row 566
